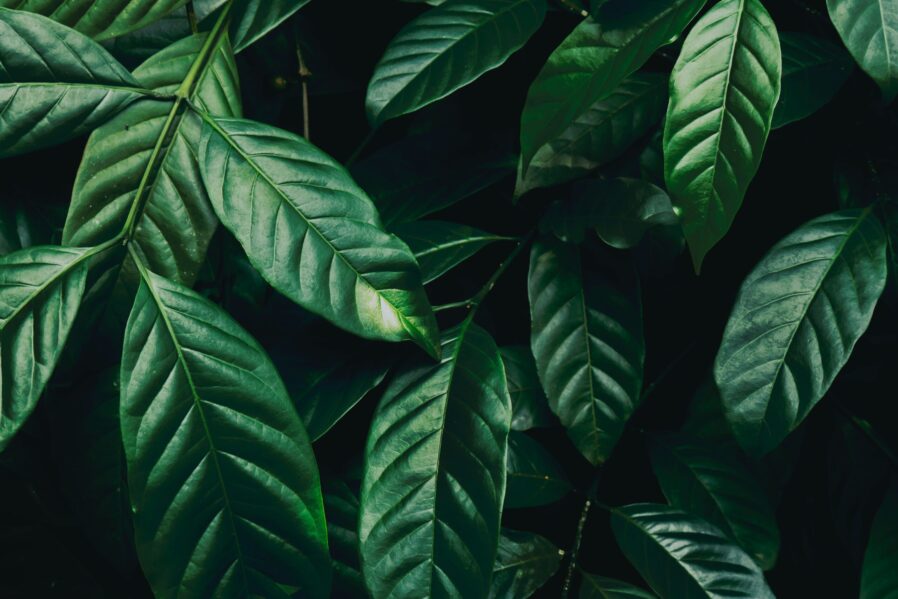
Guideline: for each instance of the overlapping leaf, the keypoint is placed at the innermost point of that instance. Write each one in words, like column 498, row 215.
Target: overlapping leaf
column 524, row 562
column 529, row 406
column 440, row 246
column 534, row 476
column 99, row 19
column 600, row 587
column 435, row 474
column 870, row 32
column 723, row 91
column 879, row 579
column 341, row 503
column 223, row 482
column 795, row 322
column 254, row 18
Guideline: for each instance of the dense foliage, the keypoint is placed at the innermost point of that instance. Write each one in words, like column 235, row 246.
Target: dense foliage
column 455, row 298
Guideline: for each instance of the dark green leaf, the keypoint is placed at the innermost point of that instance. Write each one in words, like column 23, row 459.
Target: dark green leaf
column 879, row 578
column 795, row 322
column 341, row 504
column 588, row 343
column 435, row 474
column 870, row 32
column 313, row 233
column 445, row 49
column 599, row 134
column 99, row 19
column 723, row 91
column 440, row 246
column 223, row 482
column 593, row 60
column 22, row 225
column 524, row 562
column 529, row 406
column 252, row 19
column 683, row 557
column 599, row 587
column 534, row 477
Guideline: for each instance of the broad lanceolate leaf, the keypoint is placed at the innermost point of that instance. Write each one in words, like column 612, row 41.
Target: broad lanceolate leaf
column 252, row 19
column 588, row 343
column 879, row 579
column 40, row 291
column 99, row 19
column 220, row 470
column 869, row 29
column 593, row 60
column 55, row 83
column 813, row 71
column 440, row 246
column 711, row 480
column 534, row 476
column 524, row 562
column 143, row 163
column 435, row 474
column 445, row 49
column 601, row 133
column 529, row 406
column 683, row 556
column 795, row 322
column 600, row 587
column 313, row 233
column 723, row 91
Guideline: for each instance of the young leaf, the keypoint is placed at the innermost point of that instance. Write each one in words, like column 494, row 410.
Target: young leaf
column 723, row 91
column 254, row 18
column 593, row 60
column 99, row 19
column 588, row 343
column 524, row 563
column 534, row 477
column 599, row 134
column 599, row 587
column 682, row 556
column 445, row 49
column 712, row 481
column 529, row 406
column 870, row 32
column 879, row 579
column 313, row 233
column 55, row 84
column 813, row 71
column 795, row 321
column 223, row 482
column 142, row 164
column 440, row 246
column 40, row 292
column 435, row 474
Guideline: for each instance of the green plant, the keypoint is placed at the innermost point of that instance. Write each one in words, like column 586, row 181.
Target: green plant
column 232, row 365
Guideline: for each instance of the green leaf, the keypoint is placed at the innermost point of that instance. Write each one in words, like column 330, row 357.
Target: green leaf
column 795, row 322
column 23, row 224
column 534, row 477
column 683, row 556
column 588, row 343
column 254, row 18
column 529, row 406
column 445, row 49
column 55, row 84
column 813, row 71
column 435, row 474
column 869, row 30
column 313, row 233
column 593, row 60
column 723, row 91
column 440, row 246
column 341, row 504
column 599, row 134
column 524, row 562
column 40, row 292
column 99, row 19
column 223, row 482
column 711, row 480
column 879, row 579
column 600, row 587
column 142, row 164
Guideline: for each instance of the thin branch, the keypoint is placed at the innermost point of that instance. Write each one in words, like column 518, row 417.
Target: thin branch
column 191, row 18
column 304, row 74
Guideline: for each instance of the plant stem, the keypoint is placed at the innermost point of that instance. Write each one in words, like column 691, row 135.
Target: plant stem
column 304, row 74
column 191, row 18
column 474, row 303
column 360, row 148
column 575, row 549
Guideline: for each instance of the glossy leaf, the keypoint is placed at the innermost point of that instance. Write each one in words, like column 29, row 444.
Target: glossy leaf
column 712, row 481
column 220, row 468
column 723, row 91
column 795, row 322
column 588, row 343
column 524, row 563
column 534, row 477
column 445, row 49
column 593, row 60
column 144, row 160
column 529, row 406
column 813, row 71
column 252, row 19
column 435, row 474
column 55, row 84
column 870, row 32
column 600, row 587
column 313, row 233
column 599, row 134
column 879, row 579
column 40, row 292
column 440, row 246
column 99, row 19
column 683, row 556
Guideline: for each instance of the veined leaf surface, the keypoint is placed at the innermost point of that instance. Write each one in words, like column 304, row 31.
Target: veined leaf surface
column 99, row 19
column 870, row 32
column 254, row 18
column 440, row 246
column 524, row 563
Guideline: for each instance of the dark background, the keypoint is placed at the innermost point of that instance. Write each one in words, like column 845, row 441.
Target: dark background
column 48, row 544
